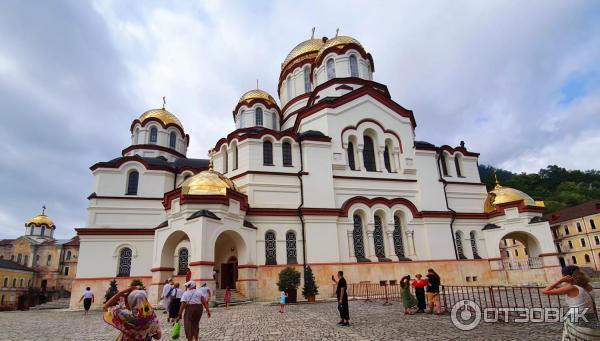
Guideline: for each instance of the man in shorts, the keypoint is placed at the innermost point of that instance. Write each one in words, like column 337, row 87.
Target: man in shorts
column 433, row 292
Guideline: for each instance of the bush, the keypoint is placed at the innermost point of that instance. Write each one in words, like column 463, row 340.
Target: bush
column 289, row 278
column 112, row 290
column 310, row 286
column 136, row 283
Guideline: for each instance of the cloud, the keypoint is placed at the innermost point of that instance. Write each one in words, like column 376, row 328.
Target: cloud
column 518, row 82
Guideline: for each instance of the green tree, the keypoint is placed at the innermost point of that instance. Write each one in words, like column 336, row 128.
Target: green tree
column 289, row 278
column 111, row 291
column 137, row 282
column 310, row 286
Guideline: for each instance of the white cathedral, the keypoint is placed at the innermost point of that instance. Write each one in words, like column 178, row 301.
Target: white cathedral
column 332, row 177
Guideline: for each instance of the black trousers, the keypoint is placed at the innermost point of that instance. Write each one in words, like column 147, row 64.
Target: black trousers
column 420, row 293
column 343, row 308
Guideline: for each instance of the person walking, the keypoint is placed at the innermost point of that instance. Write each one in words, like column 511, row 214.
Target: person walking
column 341, row 292
column 282, row 298
column 227, row 297
column 433, row 292
column 408, row 300
column 576, row 288
column 176, row 294
column 88, row 298
column 419, row 284
column 192, row 302
column 164, row 296
column 137, row 320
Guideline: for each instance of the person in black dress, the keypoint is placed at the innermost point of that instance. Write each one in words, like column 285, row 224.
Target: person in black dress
column 175, row 304
column 342, row 299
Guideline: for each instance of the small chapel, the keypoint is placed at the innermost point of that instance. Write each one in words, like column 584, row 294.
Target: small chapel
column 330, row 175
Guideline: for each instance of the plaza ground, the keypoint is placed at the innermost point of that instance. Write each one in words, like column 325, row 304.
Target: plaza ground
column 370, row 321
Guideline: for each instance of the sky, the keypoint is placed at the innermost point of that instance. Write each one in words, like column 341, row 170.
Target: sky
column 518, row 81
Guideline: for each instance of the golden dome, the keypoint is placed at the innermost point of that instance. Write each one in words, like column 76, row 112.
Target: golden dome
column 339, row 42
column 305, row 47
column 503, row 195
column 39, row 220
column 162, row 115
column 208, row 182
column 257, row 94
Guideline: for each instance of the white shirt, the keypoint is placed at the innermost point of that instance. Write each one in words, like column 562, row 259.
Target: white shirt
column 88, row 294
column 580, row 302
column 192, row 297
column 205, row 292
column 166, row 289
column 178, row 293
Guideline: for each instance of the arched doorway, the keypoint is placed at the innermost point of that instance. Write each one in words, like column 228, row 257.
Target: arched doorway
column 175, row 252
column 230, row 250
column 520, row 251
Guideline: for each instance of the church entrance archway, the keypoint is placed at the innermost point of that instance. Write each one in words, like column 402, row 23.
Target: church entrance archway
column 230, row 249
column 520, row 251
column 176, row 253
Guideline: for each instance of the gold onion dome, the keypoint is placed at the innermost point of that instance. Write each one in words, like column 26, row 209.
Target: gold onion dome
column 338, row 42
column 208, row 182
column 308, row 49
column 39, row 220
column 162, row 115
column 503, row 195
column 257, row 94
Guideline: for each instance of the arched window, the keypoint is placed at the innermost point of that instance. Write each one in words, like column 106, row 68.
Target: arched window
column 259, row 117
column 330, row 69
column 136, row 137
column 574, row 259
column 357, row 237
column 270, row 248
column 68, row 255
column 234, row 156
column 242, row 124
column 444, row 164
column 5, row 282
column 398, row 242
column 26, row 260
column 172, row 140
column 289, row 88
column 14, row 282
column 268, row 153
column 457, row 165
column 274, row 120
column 306, row 79
column 132, row 183
column 37, row 260
column 459, row 248
column 124, row 262
column 43, row 230
column 386, row 159
column 49, row 260
column 378, row 240
column 353, row 66
column 19, row 258
column 225, row 161
column 369, row 154
column 351, row 162
column 286, row 149
column 182, row 263
column 153, row 135
column 290, row 245
column 31, row 231
column 587, row 258
column 21, row 280
column 473, row 237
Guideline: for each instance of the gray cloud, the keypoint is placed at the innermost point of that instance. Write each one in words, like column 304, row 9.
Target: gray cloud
column 503, row 76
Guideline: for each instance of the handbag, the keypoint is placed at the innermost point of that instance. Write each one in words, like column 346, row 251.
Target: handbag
column 176, row 330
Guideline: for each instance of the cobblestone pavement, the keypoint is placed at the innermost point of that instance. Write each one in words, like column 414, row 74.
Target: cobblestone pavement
column 370, row 321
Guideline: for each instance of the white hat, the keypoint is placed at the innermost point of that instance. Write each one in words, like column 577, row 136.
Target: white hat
column 190, row 284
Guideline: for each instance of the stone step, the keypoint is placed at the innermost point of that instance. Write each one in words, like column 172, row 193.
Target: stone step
column 62, row 303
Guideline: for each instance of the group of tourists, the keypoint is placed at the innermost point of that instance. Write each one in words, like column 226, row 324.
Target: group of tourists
column 423, row 287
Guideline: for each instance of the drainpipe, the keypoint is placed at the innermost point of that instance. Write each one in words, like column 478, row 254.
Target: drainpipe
column 300, row 216
column 448, row 206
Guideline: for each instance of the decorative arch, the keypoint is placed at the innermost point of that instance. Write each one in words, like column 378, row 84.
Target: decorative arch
column 458, row 238
column 358, row 235
column 169, row 249
column 270, row 248
column 362, row 125
column 350, row 203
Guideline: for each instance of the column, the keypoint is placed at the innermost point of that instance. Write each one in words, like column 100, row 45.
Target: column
column 381, row 163
column 391, row 250
column 360, row 165
column 350, row 243
column 410, row 242
column 371, row 245
column 397, row 161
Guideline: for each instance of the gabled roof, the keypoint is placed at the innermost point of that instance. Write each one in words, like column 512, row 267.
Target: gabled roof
column 6, row 264
column 579, row 211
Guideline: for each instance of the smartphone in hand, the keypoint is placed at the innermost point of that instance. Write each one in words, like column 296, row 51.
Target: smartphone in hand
column 332, row 278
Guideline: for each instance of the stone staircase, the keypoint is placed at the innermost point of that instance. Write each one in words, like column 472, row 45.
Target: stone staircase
column 236, row 298
column 61, row 303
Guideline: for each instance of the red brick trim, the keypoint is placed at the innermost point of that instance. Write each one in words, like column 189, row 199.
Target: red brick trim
column 203, row 263
column 249, row 103
column 110, row 278
column 342, row 50
column 550, row 254
column 294, row 100
column 114, row 232
column 267, row 173
column 205, row 199
column 376, row 123
column 247, row 280
column 448, row 149
column 371, row 178
column 126, row 197
column 379, row 200
column 152, row 147
column 161, row 269
column 464, row 183
column 255, row 133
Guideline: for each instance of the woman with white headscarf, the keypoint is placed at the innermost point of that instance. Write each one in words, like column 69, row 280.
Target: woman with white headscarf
column 137, row 320
column 192, row 302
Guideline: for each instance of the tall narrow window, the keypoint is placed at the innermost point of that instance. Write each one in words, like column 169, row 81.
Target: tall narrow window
column 242, row 124
column 457, row 165
column 444, row 165
column 378, row 239
column 270, row 248
column 357, row 237
column 286, row 149
column 386, row 159
column 153, row 135
column 290, row 245
column 289, row 86
column 43, row 231
column 136, row 137
column 124, row 262
column 268, row 153
column 14, row 283
column 587, row 258
column 579, row 227
column 172, row 140
column 235, row 156
column 225, row 161
column 351, row 163
column 353, row 66
column 330, row 69
column 49, row 260
column 259, row 117
column 274, row 120
column 307, row 79
column 398, row 242
column 369, row 155
column 69, row 255
column 182, row 263
column 592, row 224
column 26, row 260
column 473, row 237
column 19, row 258
column 37, row 260
column 5, row 284
column 132, row 183
column 66, row 273
column 31, row 231
column 574, row 259
column 459, row 248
